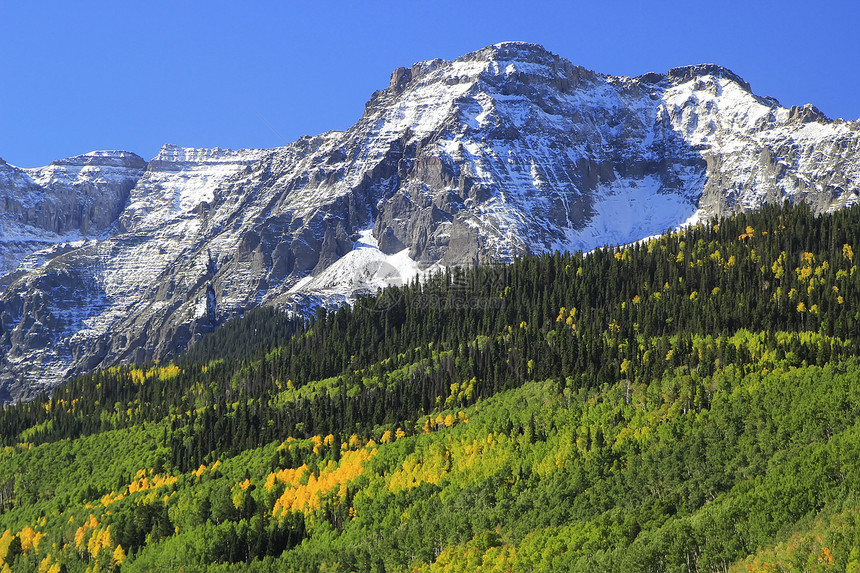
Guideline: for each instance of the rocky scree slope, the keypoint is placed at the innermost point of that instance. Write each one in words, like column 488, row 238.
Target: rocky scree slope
column 506, row 151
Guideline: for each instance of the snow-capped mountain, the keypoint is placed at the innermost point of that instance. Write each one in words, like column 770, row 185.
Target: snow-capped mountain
column 505, row 151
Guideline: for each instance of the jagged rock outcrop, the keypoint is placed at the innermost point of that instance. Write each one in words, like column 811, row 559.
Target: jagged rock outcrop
column 505, row 151
column 68, row 201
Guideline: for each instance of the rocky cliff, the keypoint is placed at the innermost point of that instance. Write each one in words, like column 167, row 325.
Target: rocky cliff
column 68, row 201
column 505, row 151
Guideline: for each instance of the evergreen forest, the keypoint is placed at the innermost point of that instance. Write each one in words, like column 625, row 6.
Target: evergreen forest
column 687, row 403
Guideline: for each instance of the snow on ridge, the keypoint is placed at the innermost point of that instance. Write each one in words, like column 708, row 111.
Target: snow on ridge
column 109, row 154
column 520, row 51
column 175, row 154
column 179, row 179
column 104, row 158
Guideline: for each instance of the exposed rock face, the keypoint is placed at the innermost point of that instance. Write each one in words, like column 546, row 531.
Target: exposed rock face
column 94, row 301
column 70, row 200
column 85, row 193
column 505, row 151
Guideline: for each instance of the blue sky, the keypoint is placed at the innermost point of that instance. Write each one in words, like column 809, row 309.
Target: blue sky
column 115, row 75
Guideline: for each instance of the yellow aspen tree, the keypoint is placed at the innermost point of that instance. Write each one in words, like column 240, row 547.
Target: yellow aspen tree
column 5, row 540
column 26, row 536
column 46, row 565
column 118, row 556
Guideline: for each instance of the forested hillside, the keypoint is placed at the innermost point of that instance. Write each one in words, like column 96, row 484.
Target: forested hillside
column 691, row 403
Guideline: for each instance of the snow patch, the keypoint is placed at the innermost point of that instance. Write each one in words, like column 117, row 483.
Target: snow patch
column 625, row 211
column 363, row 270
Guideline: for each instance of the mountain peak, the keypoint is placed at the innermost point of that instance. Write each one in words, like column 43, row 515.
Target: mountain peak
column 517, row 51
column 104, row 158
column 683, row 74
column 505, row 60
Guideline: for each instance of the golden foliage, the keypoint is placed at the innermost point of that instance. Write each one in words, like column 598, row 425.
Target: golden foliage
column 304, row 491
column 100, row 539
column 29, row 539
column 5, row 540
column 48, row 565
column 146, row 480
column 118, row 556
column 112, row 497
column 90, row 524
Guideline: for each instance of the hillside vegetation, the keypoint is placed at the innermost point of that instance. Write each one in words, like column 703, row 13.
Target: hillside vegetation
column 691, row 403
